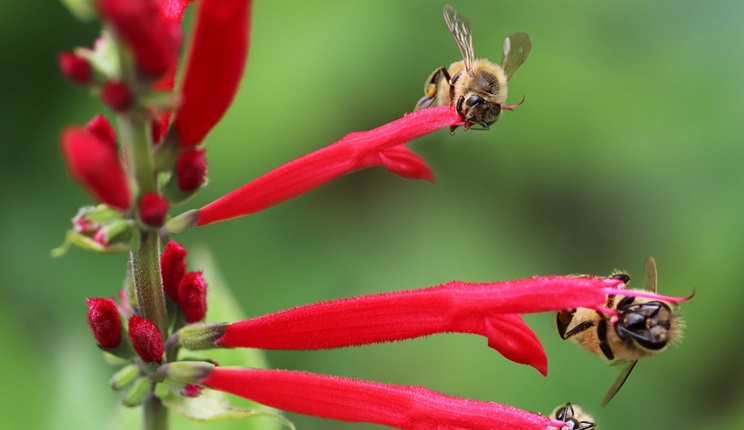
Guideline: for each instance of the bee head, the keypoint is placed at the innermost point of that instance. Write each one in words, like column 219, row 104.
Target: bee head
column 478, row 110
column 650, row 324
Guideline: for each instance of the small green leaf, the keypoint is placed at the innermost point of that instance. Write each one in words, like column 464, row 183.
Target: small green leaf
column 213, row 405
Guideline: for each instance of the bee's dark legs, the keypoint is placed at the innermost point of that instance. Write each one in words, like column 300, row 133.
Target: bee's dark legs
column 603, row 344
column 581, row 327
column 431, row 88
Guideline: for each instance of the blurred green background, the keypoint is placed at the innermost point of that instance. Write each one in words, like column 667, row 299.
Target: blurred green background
column 629, row 144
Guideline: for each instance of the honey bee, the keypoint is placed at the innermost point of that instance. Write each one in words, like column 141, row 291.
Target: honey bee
column 475, row 87
column 574, row 416
column 643, row 327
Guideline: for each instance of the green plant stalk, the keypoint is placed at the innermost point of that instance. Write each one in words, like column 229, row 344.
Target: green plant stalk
column 145, row 260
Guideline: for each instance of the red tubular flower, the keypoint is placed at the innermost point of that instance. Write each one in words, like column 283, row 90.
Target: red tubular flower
column 191, row 169
column 93, row 163
column 102, row 128
column 343, row 399
column 379, row 146
column 142, row 24
column 117, row 95
column 75, row 67
column 146, row 339
column 153, row 209
column 104, row 322
column 215, row 66
column 173, row 268
column 192, row 296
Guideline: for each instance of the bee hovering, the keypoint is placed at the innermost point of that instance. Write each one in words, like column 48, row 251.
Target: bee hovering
column 475, row 87
column 642, row 328
column 574, row 417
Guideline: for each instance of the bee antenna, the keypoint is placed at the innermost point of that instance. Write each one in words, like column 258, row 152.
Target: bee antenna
column 511, row 107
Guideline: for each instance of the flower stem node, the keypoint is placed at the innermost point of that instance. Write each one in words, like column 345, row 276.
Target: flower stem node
column 124, row 377
column 139, row 390
column 200, row 336
column 188, row 372
column 146, row 339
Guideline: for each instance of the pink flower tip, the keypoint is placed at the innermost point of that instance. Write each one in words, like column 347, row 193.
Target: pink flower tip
column 192, row 296
column 191, row 390
column 104, row 322
column 117, row 95
column 173, row 268
column 191, row 169
column 146, row 339
column 153, row 209
column 75, row 68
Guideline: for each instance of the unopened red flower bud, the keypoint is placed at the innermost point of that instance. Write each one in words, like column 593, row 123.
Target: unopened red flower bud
column 153, row 38
column 75, row 67
column 192, row 295
column 117, row 95
column 153, row 209
column 173, row 267
column 101, row 127
column 104, row 322
column 191, row 169
column 146, row 339
column 93, row 163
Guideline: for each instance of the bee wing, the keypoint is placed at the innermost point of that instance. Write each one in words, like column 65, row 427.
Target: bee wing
column 621, row 378
column 516, row 49
column 460, row 28
column 649, row 275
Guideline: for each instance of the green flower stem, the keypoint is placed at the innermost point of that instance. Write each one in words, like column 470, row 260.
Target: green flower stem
column 155, row 415
column 148, row 283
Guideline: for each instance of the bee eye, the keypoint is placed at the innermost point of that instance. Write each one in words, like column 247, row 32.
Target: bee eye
column 474, row 100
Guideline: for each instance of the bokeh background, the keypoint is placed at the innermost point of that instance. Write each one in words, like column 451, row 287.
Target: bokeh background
column 629, row 144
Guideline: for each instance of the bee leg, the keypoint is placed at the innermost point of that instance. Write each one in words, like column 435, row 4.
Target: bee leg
column 431, row 87
column 603, row 344
column 581, row 327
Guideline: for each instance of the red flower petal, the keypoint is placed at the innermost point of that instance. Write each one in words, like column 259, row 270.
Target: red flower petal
column 192, row 295
column 153, row 209
column 142, row 24
column 215, row 67
column 354, row 152
column 104, row 322
column 102, row 128
column 173, row 268
column 75, row 67
column 344, row 399
column 93, row 163
column 402, row 161
column 146, row 339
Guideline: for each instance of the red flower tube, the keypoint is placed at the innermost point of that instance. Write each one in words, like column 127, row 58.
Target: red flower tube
column 95, row 164
column 379, row 146
column 215, row 67
column 344, row 399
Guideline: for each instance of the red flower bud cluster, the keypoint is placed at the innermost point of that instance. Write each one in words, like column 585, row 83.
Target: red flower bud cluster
column 188, row 289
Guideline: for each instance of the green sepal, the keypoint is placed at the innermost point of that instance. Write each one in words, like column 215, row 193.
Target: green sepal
column 137, row 392
column 84, row 10
column 181, row 222
column 125, row 376
column 210, row 405
column 73, row 238
column 200, row 336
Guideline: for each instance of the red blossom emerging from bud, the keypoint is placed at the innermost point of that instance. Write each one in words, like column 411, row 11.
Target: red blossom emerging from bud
column 75, row 68
column 380, row 146
column 192, row 296
column 101, row 127
column 153, row 209
column 146, row 339
column 215, row 67
column 117, row 95
column 143, row 25
column 344, row 399
column 191, row 169
column 191, row 390
column 93, row 163
column 104, row 322
column 173, row 267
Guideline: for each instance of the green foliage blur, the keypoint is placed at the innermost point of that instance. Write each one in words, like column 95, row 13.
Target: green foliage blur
column 629, row 144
